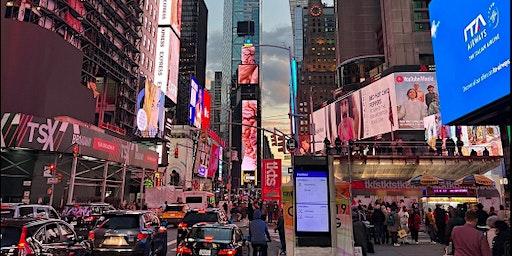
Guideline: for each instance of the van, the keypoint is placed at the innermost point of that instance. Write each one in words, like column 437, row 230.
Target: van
column 198, row 199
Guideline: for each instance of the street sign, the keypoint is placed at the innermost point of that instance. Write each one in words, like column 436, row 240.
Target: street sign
column 53, row 180
column 291, row 144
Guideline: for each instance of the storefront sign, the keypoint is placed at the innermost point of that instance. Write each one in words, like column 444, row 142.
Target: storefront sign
column 48, row 134
column 271, row 179
column 450, row 192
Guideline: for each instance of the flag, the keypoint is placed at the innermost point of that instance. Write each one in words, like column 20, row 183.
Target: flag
column 391, row 119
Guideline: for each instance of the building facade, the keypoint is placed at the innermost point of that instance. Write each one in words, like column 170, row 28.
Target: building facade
column 216, row 89
column 147, row 47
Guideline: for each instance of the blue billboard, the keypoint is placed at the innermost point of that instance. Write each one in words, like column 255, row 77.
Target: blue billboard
column 471, row 43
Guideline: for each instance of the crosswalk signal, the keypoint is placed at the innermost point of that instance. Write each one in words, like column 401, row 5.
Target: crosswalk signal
column 280, row 144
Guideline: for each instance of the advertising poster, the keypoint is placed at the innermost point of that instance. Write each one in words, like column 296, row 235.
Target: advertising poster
column 194, row 87
column 248, row 53
column 174, row 61
column 205, row 119
column 150, row 114
column 199, row 108
column 416, row 97
column 163, row 44
column 320, row 128
column 249, row 135
column 213, row 166
column 304, row 144
column 378, row 103
column 343, row 219
column 473, row 67
column 248, row 74
column 271, row 179
column 169, row 13
column 348, row 117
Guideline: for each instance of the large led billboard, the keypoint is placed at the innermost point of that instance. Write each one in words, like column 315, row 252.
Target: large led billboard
column 249, row 135
column 248, row 74
column 163, row 44
column 416, row 98
column 174, row 61
column 194, row 87
column 150, row 115
column 169, row 14
column 199, row 108
column 248, row 52
column 472, row 54
column 205, row 119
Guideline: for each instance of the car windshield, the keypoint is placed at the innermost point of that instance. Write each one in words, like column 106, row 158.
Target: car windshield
column 7, row 213
column 175, row 208
column 10, row 236
column 195, row 217
column 120, row 222
column 216, row 234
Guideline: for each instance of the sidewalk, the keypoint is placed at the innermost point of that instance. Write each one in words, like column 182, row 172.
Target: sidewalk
column 424, row 248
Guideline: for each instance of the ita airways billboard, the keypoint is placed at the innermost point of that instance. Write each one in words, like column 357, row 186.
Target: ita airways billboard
column 472, row 53
column 271, row 179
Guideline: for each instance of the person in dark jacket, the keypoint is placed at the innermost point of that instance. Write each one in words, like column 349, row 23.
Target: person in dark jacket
column 456, row 219
column 414, row 223
column 258, row 234
column 501, row 242
column 280, row 229
column 440, row 219
column 482, row 215
column 360, row 232
column 450, row 146
column 378, row 219
column 250, row 211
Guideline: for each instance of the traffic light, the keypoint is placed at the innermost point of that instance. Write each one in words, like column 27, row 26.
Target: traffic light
column 280, row 143
column 176, row 153
column 52, row 168
column 274, row 139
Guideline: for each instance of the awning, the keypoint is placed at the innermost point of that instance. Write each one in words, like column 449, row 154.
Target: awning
column 48, row 134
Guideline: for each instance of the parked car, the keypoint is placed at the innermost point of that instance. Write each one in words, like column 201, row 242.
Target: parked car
column 129, row 232
column 192, row 217
column 30, row 236
column 214, row 239
column 19, row 210
column 173, row 214
column 83, row 216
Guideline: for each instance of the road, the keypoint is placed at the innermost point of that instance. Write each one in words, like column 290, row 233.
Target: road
column 273, row 248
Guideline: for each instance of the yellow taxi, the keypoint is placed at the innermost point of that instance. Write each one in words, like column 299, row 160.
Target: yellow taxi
column 173, row 214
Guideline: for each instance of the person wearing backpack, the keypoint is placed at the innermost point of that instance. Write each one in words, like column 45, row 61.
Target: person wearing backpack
column 393, row 224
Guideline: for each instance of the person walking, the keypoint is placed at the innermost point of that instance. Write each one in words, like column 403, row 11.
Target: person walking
column 501, row 243
column 360, row 232
column 492, row 231
column 467, row 240
column 414, row 223
column 481, row 214
column 250, row 211
column 258, row 234
column 430, row 225
column 404, row 220
column 440, row 219
column 378, row 219
column 456, row 219
column 393, row 224
column 270, row 212
column 280, row 230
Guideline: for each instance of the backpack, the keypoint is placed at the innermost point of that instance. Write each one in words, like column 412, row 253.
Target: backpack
column 391, row 220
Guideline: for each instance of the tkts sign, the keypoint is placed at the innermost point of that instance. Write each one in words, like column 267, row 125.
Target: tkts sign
column 48, row 134
column 271, row 179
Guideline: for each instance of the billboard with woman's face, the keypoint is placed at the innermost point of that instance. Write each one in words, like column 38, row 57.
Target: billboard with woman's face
column 348, row 117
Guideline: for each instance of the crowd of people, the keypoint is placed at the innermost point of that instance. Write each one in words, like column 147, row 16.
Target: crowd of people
column 396, row 224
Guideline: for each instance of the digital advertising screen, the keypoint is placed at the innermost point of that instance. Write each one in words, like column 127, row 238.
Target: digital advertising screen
column 174, row 61
column 348, row 117
column 416, row 98
column 472, row 54
column 170, row 14
column 199, row 108
column 248, row 52
column 248, row 74
column 163, row 45
column 205, row 120
column 318, row 120
column 312, row 200
column 150, row 114
column 249, row 135
column 194, row 87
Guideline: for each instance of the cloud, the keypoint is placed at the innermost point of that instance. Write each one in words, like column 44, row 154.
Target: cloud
column 213, row 55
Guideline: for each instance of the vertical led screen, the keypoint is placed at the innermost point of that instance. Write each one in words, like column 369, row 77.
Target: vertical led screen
column 248, row 52
column 174, row 60
column 205, row 123
column 320, row 128
column 248, row 74
column 213, row 165
column 249, row 135
column 472, row 54
column 416, row 98
column 163, row 45
column 150, row 114
column 194, row 87
column 199, row 108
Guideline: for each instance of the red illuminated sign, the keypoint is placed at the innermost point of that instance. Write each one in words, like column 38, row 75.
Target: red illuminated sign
column 104, row 145
column 271, row 179
column 205, row 119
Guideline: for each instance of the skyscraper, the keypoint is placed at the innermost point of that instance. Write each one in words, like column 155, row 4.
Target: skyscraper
column 147, row 47
column 216, row 88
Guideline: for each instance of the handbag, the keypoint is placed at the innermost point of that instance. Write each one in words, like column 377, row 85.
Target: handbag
column 402, row 233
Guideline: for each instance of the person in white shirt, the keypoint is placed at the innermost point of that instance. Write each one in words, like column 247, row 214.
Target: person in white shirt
column 412, row 110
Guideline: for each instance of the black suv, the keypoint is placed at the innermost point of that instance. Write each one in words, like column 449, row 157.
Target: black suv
column 129, row 233
column 29, row 236
column 192, row 217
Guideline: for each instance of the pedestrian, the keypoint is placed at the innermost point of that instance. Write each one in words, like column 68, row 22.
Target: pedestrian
column 450, row 147
column 430, row 225
column 258, row 234
column 225, row 207
column 250, row 211
column 414, row 223
column 393, row 224
column 404, row 219
column 492, row 211
column 481, row 214
column 360, row 232
column 439, row 146
column 501, row 243
column 473, row 153
column 280, row 230
column 456, row 219
column 460, row 144
column 378, row 219
column 440, row 219
column 467, row 240
column 485, row 152
column 492, row 231
column 270, row 212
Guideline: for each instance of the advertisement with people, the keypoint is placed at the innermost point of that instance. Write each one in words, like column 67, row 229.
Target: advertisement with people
column 417, row 97
column 194, row 87
column 378, row 103
column 150, row 114
column 174, row 61
column 348, row 117
column 471, row 45
column 464, row 140
column 249, row 135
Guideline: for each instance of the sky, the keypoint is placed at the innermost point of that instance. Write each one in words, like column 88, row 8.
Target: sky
column 275, row 69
